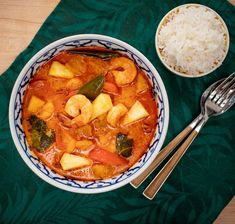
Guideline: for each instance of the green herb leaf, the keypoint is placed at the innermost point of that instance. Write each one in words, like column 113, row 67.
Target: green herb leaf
column 93, row 88
column 93, row 53
column 124, row 145
column 42, row 136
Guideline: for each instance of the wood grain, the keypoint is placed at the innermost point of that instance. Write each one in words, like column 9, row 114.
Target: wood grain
column 161, row 156
column 19, row 22
column 232, row 2
column 164, row 173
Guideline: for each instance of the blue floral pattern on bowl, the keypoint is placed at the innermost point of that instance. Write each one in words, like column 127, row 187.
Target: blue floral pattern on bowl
column 15, row 115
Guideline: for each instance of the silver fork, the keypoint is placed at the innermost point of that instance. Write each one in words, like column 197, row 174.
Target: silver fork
column 217, row 99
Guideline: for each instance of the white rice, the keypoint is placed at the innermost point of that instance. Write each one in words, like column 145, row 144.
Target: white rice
column 192, row 40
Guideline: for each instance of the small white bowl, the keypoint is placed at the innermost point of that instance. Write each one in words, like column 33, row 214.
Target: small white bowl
column 164, row 20
column 15, row 114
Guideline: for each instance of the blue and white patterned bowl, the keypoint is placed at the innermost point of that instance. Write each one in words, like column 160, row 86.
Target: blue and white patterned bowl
column 15, row 114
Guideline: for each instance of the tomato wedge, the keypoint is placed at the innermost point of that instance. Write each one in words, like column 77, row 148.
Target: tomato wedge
column 106, row 157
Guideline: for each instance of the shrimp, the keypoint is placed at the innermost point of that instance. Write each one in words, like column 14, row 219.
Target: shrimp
column 64, row 120
column 123, row 70
column 116, row 113
column 80, row 108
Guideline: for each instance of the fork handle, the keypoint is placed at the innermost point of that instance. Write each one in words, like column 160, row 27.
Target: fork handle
column 164, row 153
column 161, row 177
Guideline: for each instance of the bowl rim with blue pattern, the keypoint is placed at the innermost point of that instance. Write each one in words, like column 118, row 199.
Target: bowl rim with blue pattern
column 15, row 114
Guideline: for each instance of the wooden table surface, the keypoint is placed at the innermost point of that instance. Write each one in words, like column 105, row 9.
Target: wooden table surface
column 19, row 22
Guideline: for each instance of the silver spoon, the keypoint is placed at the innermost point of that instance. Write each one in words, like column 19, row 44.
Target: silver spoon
column 217, row 99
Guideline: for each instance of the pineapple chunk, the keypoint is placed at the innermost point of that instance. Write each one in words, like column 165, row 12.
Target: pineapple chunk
column 141, row 84
column 84, row 144
column 102, row 171
column 136, row 113
column 35, row 104
column 59, row 70
column 46, row 111
column 116, row 113
column 70, row 161
column 85, row 131
column 101, row 105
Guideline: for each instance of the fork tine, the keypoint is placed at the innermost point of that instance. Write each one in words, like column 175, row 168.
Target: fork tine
column 226, row 82
column 221, row 95
column 224, row 102
column 226, row 88
column 218, row 92
column 230, row 93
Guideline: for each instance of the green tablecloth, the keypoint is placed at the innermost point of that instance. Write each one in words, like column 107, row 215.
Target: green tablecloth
column 203, row 182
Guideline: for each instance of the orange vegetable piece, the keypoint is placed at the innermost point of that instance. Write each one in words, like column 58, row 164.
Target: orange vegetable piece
column 110, row 87
column 106, row 157
column 64, row 141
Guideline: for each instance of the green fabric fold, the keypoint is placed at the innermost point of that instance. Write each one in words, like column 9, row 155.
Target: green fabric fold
column 199, row 187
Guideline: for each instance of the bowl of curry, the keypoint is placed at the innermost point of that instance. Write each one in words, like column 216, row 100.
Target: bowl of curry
column 88, row 113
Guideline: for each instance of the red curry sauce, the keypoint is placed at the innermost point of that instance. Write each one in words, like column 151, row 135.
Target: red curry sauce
column 98, row 131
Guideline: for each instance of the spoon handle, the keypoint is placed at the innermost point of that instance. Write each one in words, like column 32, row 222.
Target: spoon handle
column 165, row 152
column 161, row 177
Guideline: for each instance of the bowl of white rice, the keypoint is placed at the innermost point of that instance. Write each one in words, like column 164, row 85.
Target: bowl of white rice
column 192, row 40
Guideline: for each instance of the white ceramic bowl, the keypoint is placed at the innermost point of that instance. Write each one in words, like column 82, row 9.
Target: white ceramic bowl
column 15, row 114
column 164, row 20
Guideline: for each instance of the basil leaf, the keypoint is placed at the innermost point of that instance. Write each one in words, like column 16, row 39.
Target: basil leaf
column 41, row 136
column 124, row 145
column 93, row 53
